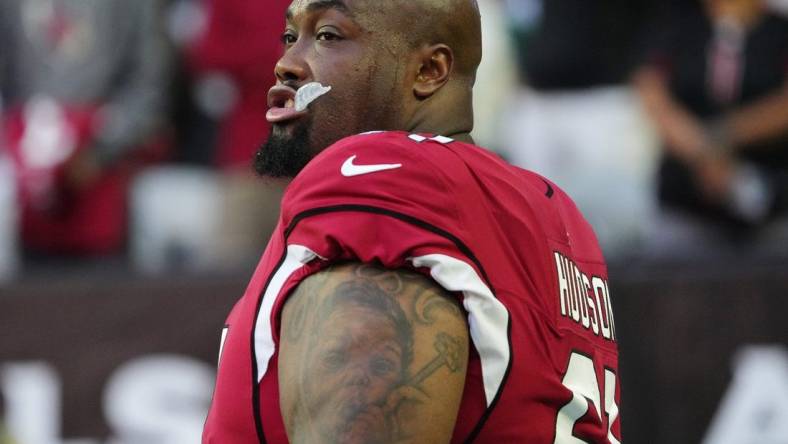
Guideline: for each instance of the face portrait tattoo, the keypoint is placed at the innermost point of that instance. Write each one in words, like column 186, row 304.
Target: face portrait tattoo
column 357, row 371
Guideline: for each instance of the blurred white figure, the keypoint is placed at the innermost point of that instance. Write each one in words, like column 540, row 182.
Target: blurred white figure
column 159, row 399
column 596, row 145
column 496, row 78
column 575, row 121
column 9, row 252
column 197, row 220
column 779, row 6
column 755, row 407
column 176, row 213
column 9, row 257
column 33, row 401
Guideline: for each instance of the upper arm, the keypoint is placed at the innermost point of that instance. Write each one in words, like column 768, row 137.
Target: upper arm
column 369, row 355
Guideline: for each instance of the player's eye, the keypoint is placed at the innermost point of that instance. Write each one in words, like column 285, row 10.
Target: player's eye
column 328, row 36
column 333, row 360
column 382, row 366
column 288, row 38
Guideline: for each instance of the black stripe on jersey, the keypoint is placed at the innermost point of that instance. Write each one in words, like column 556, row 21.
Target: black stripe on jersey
column 258, row 418
column 550, row 191
column 476, row 430
column 413, row 221
column 403, row 217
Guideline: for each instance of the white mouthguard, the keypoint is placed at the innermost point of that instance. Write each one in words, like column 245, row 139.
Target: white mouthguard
column 308, row 94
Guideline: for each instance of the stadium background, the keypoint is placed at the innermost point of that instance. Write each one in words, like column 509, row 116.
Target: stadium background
column 114, row 338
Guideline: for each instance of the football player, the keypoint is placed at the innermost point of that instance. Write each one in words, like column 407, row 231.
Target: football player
column 417, row 289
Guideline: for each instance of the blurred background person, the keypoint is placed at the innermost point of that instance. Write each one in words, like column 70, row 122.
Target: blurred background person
column 208, row 212
column 233, row 61
column 575, row 119
column 9, row 249
column 779, row 6
column 85, row 87
column 239, row 49
column 496, row 77
column 715, row 84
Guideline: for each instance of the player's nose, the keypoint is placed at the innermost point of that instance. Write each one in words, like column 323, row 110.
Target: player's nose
column 357, row 375
column 292, row 66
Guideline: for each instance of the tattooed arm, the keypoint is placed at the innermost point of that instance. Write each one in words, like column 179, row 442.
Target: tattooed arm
column 371, row 356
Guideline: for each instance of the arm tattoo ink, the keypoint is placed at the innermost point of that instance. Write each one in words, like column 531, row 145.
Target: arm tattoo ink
column 358, row 384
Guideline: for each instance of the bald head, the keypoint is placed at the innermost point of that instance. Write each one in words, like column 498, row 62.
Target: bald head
column 455, row 23
column 458, row 24
column 442, row 40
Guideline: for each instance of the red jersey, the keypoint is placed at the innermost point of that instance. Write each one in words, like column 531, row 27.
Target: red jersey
column 510, row 244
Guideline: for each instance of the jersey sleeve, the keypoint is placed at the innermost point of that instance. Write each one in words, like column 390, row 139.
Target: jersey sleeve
column 373, row 198
column 392, row 199
column 384, row 170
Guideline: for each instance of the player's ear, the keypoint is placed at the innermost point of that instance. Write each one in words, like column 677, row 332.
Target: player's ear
column 435, row 66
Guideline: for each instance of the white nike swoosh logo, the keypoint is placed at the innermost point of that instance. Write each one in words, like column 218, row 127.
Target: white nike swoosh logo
column 349, row 169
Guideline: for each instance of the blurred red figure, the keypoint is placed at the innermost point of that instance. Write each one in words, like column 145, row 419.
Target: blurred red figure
column 71, row 204
column 241, row 41
column 85, row 85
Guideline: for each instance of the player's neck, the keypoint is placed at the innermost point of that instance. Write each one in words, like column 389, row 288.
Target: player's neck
column 458, row 128
column 453, row 132
column 462, row 137
column 448, row 113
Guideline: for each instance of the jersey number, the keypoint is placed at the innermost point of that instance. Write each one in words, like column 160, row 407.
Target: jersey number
column 581, row 379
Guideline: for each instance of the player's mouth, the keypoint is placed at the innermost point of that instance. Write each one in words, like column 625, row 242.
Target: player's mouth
column 285, row 104
column 281, row 105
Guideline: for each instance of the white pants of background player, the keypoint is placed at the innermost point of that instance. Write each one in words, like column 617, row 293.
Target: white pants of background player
column 597, row 145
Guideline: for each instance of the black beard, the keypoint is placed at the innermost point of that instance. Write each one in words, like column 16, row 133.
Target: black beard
column 283, row 156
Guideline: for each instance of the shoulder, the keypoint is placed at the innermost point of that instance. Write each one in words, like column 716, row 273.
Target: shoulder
column 381, row 168
column 377, row 147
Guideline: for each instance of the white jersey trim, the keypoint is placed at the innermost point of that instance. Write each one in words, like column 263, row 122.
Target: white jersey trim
column 487, row 316
column 297, row 257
